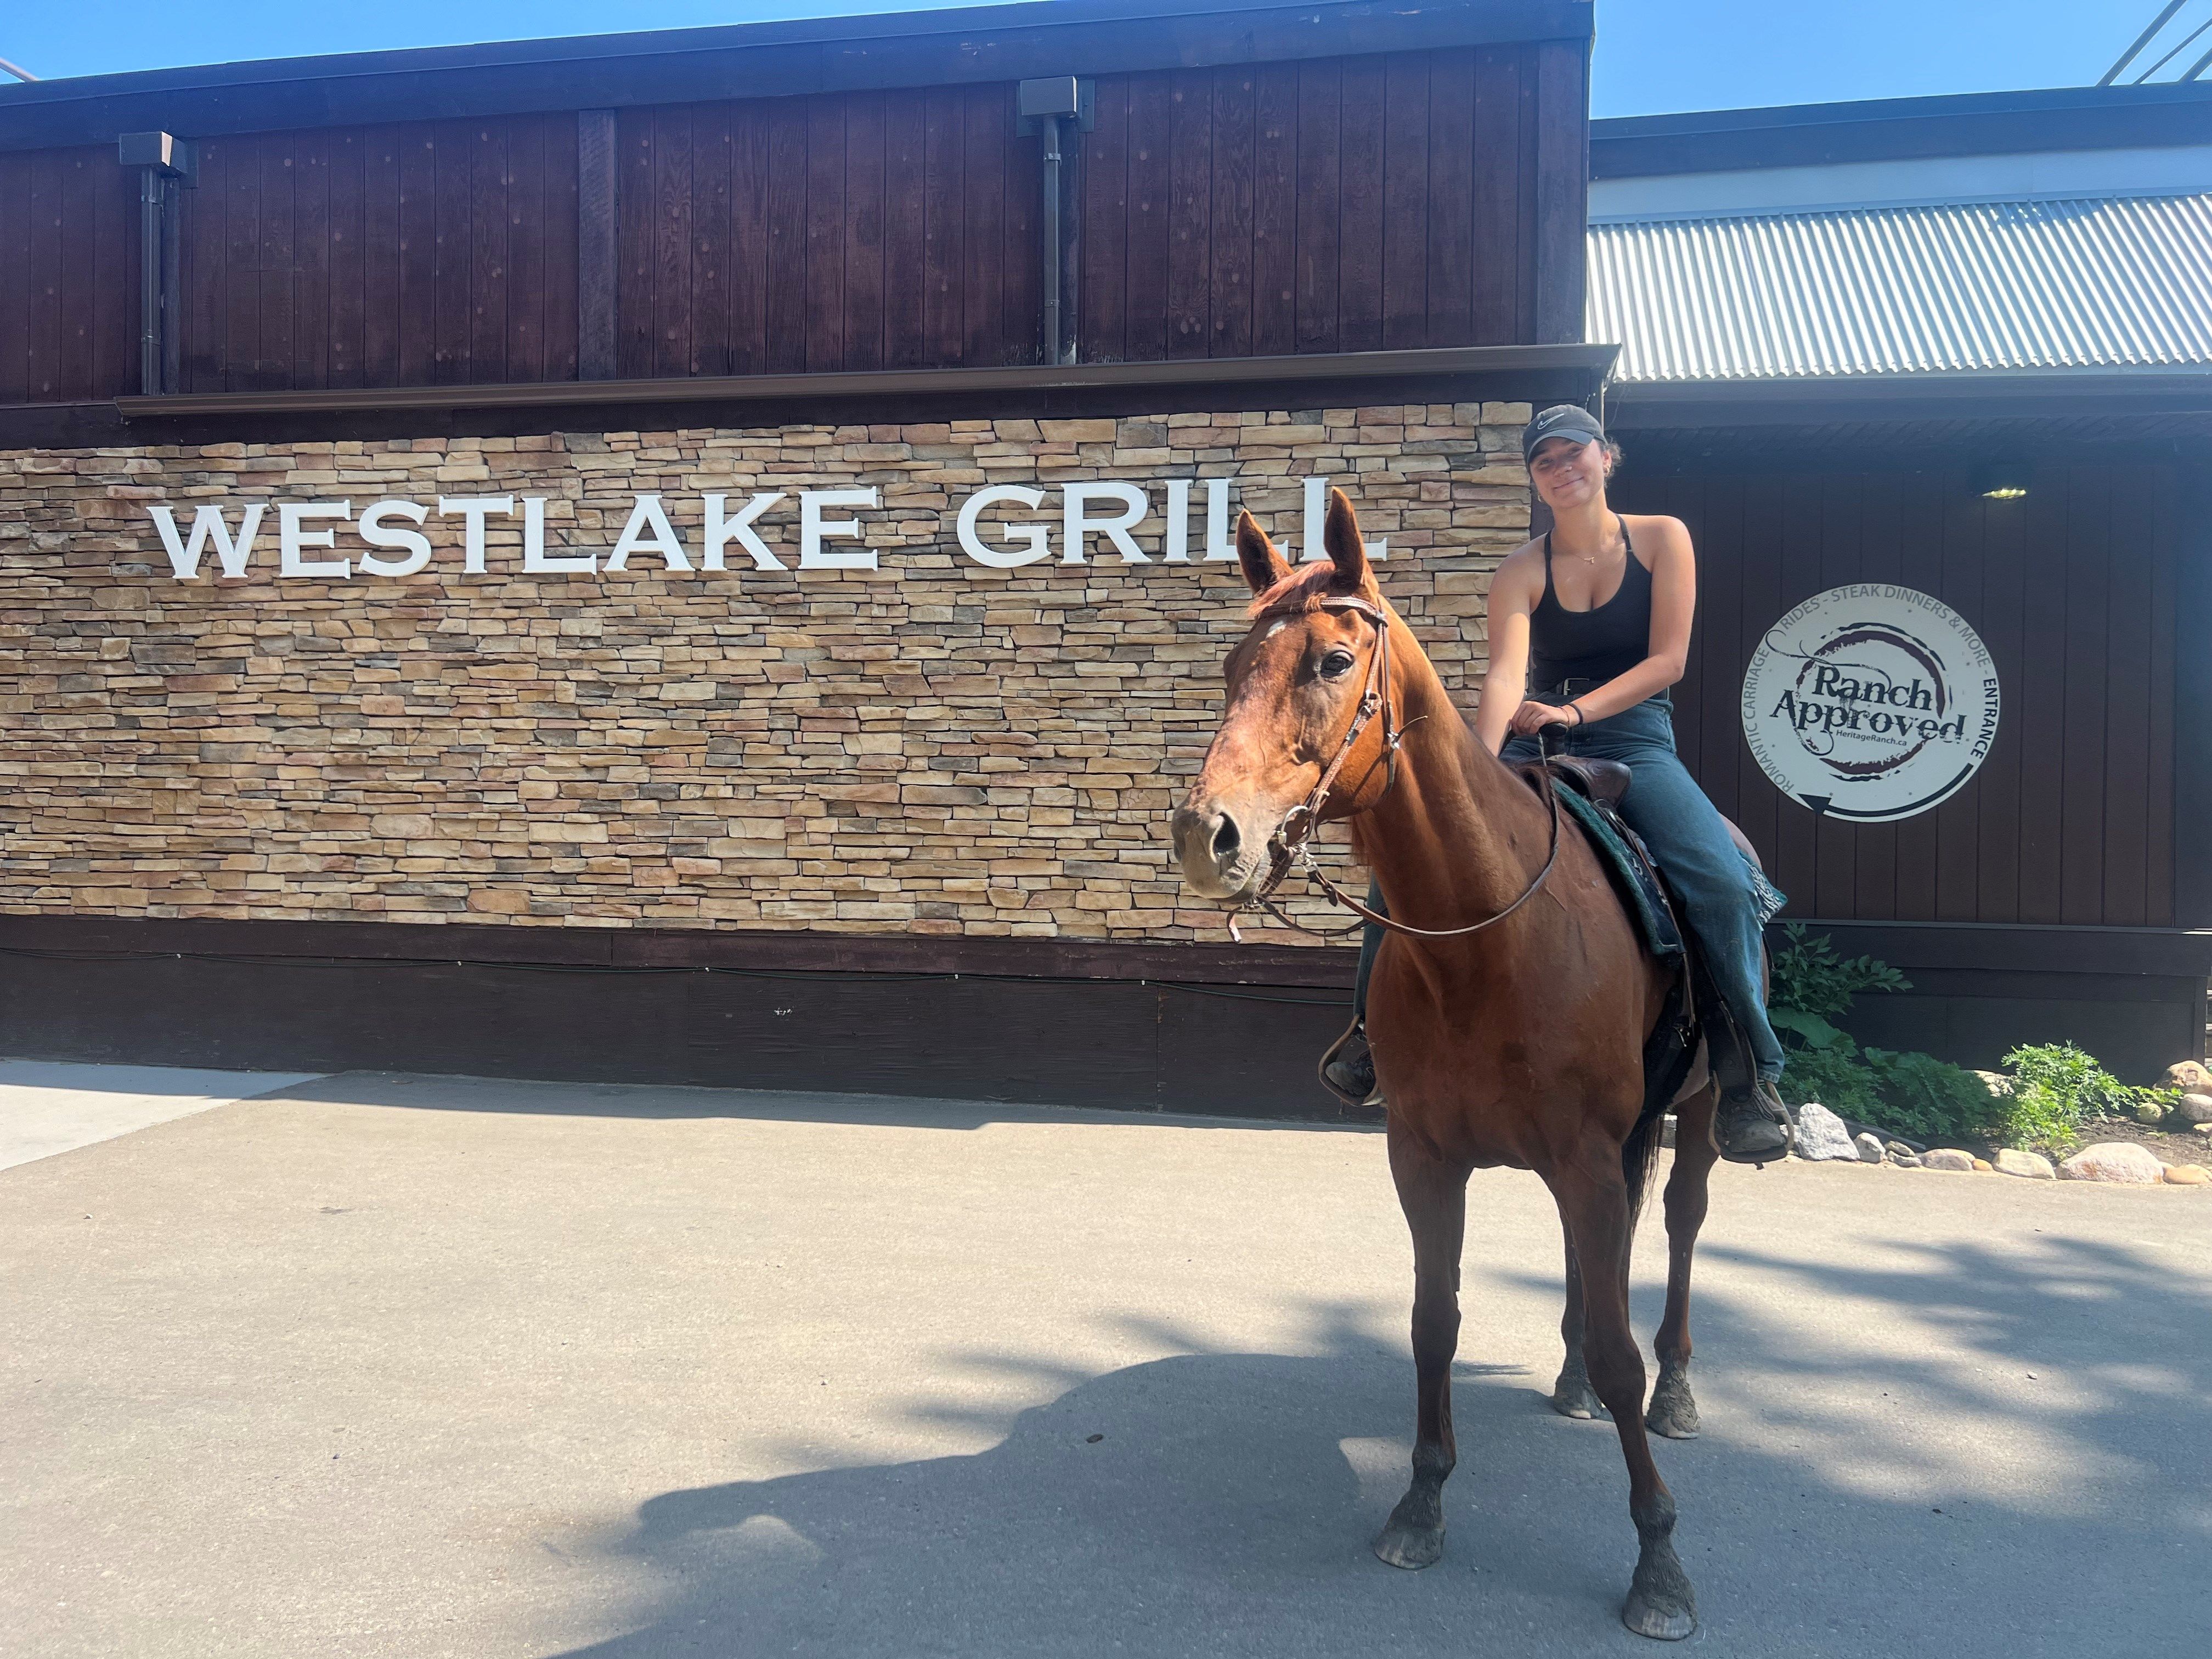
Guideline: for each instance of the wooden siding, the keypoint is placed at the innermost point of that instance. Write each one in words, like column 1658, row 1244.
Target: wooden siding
column 69, row 277
column 852, row 231
column 425, row 254
column 2070, row 820
column 1349, row 204
column 1321, row 205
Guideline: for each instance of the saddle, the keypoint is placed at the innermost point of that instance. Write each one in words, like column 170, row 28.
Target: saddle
column 1601, row 780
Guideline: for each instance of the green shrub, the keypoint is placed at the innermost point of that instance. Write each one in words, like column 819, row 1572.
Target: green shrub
column 2039, row 1119
column 1932, row 1100
column 1838, row 1082
column 1808, row 977
column 2057, row 1087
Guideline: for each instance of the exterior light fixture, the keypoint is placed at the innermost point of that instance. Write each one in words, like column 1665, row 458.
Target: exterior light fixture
column 2003, row 480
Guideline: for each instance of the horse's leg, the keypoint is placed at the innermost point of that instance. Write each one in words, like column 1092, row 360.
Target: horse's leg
column 1594, row 1204
column 1674, row 1412
column 1434, row 1198
column 1570, row 1394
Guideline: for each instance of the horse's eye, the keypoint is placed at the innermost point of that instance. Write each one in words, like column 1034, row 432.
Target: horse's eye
column 1336, row 664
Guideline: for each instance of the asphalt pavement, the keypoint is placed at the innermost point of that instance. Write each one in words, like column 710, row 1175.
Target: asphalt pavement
column 374, row 1364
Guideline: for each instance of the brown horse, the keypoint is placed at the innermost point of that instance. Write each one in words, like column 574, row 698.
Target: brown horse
column 1520, row 1044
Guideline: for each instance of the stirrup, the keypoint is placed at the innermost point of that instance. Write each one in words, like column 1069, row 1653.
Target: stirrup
column 1760, row 1094
column 1343, row 1067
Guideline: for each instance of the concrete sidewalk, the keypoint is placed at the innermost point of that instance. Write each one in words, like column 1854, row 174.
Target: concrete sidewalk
column 48, row 1107
column 410, row 1366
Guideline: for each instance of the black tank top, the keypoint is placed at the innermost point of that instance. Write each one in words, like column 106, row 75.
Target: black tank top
column 1600, row 644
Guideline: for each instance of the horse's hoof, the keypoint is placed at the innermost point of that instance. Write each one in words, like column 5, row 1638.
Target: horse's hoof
column 1659, row 1620
column 1410, row 1548
column 1573, row 1397
column 1674, row 1410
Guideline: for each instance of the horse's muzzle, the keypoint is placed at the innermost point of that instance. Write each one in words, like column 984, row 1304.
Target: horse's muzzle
column 1219, row 849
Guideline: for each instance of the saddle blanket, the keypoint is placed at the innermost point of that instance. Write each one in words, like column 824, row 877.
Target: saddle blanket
column 1633, row 878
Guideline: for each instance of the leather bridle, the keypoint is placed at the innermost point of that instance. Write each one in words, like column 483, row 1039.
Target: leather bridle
column 1291, row 843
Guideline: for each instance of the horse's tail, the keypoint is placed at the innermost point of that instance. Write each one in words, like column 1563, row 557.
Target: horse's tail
column 1639, row 1155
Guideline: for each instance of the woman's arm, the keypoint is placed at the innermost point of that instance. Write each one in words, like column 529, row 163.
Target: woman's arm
column 1673, row 605
column 1506, row 683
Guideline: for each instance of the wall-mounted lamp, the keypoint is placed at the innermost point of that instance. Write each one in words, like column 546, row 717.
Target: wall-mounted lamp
column 2003, row 480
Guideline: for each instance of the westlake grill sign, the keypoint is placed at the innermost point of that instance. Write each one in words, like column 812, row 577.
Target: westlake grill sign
column 1001, row 527
column 1870, row 702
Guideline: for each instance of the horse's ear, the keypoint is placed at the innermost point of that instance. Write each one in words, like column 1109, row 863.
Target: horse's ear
column 1346, row 551
column 1263, row 566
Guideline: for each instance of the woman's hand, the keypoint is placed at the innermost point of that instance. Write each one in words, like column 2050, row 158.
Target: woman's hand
column 1533, row 716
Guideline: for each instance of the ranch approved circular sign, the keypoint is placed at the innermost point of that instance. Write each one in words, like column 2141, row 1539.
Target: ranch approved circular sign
column 1870, row 702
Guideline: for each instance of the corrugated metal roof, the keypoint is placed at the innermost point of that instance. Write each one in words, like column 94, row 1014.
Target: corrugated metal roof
column 1895, row 290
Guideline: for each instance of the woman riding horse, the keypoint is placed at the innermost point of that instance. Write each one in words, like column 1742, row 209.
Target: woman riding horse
column 1596, row 616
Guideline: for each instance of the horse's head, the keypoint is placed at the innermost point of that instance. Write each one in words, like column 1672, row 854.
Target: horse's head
column 1294, row 689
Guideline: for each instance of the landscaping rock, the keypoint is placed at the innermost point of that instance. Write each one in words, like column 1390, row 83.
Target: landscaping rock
column 2205, row 1128
column 2195, row 1108
column 2188, row 1175
column 2121, row 1162
column 1983, row 1166
column 2150, row 1111
column 2189, row 1077
column 1996, row 1082
column 1902, row 1155
column 2031, row 1165
column 1949, row 1158
column 1821, row 1137
column 1869, row 1148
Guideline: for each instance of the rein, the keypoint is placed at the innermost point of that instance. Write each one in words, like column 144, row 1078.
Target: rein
column 1291, row 843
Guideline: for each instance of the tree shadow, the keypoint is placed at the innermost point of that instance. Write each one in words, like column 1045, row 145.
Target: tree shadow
column 1221, row 1502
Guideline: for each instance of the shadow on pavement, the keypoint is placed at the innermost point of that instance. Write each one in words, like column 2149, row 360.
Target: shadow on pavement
column 1220, row 1502
column 423, row 1092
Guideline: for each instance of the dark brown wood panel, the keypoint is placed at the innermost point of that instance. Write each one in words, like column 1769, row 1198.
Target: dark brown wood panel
column 68, row 276
column 1220, row 210
column 429, row 254
column 1333, row 205
column 1275, row 211
column 2070, row 819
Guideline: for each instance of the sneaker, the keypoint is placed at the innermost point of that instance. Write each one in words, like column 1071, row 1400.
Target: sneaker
column 1348, row 1068
column 1752, row 1126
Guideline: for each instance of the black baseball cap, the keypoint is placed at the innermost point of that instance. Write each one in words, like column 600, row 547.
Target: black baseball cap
column 1560, row 421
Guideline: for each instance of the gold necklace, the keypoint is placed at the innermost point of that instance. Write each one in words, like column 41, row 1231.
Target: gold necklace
column 1591, row 558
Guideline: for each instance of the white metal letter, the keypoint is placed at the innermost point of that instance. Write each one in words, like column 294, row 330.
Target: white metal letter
column 474, row 509
column 534, row 561
column 1177, row 548
column 721, row 531
column 813, row 528
column 376, row 533
column 1080, row 524
column 647, row 515
column 208, row 525
column 1219, row 545
column 1316, row 525
column 290, row 538
column 1034, row 539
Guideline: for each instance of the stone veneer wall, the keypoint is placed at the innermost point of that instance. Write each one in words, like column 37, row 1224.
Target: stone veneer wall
column 932, row 748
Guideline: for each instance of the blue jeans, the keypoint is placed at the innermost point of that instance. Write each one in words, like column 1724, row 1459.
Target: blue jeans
column 1721, row 896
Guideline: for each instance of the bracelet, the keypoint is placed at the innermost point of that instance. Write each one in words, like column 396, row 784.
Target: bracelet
column 1581, row 719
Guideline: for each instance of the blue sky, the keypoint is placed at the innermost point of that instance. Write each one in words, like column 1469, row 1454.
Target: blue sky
column 1653, row 55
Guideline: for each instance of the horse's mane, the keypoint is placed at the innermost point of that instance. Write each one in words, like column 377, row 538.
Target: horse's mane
column 1305, row 590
